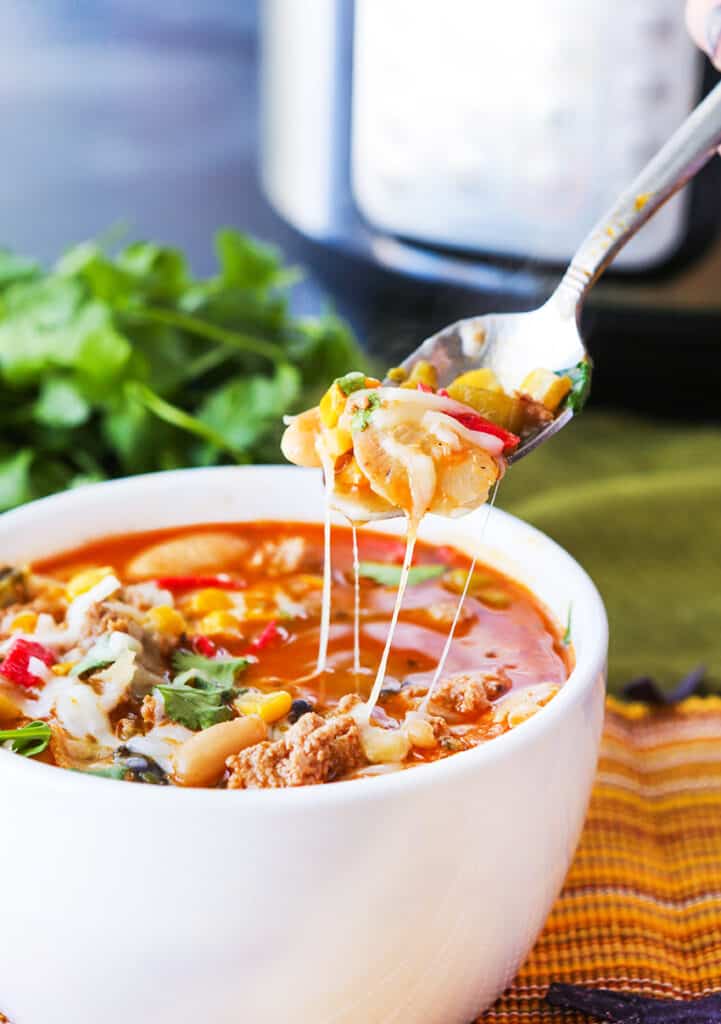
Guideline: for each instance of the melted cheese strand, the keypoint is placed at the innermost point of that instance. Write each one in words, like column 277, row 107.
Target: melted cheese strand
column 356, row 601
column 328, row 470
column 423, row 706
column 380, row 675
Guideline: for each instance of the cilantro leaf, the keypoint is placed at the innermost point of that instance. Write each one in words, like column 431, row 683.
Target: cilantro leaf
column 28, row 740
column 100, row 655
column 15, row 479
column 60, row 403
column 196, row 707
column 566, row 639
column 247, row 408
column 580, row 376
column 219, row 672
column 15, row 268
column 362, row 417
column 390, row 575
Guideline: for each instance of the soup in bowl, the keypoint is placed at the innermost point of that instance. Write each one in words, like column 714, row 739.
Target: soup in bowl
column 356, row 889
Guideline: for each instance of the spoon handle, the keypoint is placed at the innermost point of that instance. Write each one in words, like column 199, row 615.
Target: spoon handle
column 690, row 147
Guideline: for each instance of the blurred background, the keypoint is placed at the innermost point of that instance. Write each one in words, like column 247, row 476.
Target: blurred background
column 423, row 162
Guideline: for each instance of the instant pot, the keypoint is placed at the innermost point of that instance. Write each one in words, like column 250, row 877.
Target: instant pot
column 436, row 161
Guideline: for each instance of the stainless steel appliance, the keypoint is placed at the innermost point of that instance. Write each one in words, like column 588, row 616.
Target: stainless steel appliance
column 444, row 158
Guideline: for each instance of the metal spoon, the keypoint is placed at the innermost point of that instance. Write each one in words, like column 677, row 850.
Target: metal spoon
column 513, row 344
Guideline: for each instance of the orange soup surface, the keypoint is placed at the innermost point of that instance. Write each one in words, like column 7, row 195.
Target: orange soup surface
column 188, row 656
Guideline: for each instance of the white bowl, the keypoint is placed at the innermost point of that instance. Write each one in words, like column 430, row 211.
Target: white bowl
column 410, row 898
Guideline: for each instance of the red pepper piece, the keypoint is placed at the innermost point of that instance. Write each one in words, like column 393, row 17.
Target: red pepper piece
column 178, row 583
column 473, row 421
column 424, row 387
column 443, row 393
column 205, row 646
column 267, row 636
column 15, row 666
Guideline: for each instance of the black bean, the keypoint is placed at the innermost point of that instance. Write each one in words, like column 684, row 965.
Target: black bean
column 140, row 767
column 299, row 708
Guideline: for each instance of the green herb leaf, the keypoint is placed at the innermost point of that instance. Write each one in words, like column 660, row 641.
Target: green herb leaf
column 15, row 268
column 197, row 707
column 566, row 640
column 216, row 671
column 176, row 417
column 351, row 382
column 116, row 364
column 390, row 575
column 245, row 409
column 28, row 740
column 60, row 404
column 581, row 384
column 113, row 771
column 247, row 263
column 362, row 417
column 100, row 655
column 15, row 479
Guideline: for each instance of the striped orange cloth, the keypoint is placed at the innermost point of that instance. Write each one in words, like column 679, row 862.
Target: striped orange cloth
column 641, row 907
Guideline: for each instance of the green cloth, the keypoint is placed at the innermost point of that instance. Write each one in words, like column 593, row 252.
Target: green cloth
column 638, row 504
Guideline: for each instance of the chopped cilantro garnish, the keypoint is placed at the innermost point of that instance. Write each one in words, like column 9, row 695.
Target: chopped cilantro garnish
column 218, row 671
column 390, row 575
column 351, row 382
column 198, row 696
column 197, row 707
column 28, row 740
column 580, row 376
column 362, row 417
column 100, row 655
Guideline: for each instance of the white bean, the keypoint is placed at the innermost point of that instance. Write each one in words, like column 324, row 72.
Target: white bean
column 200, row 761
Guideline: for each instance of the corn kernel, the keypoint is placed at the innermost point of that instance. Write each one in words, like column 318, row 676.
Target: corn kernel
column 397, row 374
column 546, row 387
column 212, row 599
column 455, row 581
column 62, row 668
column 83, row 581
column 220, row 623
column 275, row 706
column 271, row 707
column 258, row 606
column 25, row 622
column 422, row 372
column 337, row 441
column 332, row 405
column 166, row 620
column 9, row 710
column 484, row 379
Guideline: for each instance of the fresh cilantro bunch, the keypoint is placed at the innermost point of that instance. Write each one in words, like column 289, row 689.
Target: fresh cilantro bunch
column 111, row 365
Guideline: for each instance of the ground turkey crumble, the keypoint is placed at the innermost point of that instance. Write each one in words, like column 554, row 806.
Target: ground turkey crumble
column 464, row 693
column 314, row 750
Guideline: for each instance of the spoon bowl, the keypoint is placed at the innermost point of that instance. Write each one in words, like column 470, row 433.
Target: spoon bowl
column 514, row 344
